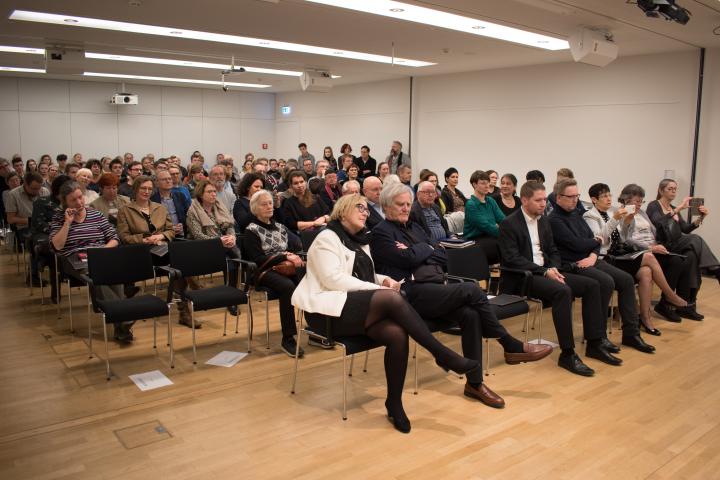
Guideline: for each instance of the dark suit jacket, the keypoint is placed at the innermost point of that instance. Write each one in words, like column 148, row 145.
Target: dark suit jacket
column 181, row 203
column 373, row 218
column 516, row 249
column 417, row 216
column 573, row 237
column 400, row 263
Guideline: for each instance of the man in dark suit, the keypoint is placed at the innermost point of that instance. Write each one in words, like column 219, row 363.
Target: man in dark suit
column 426, row 213
column 176, row 203
column 579, row 250
column 402, row 250
column 526, row 243
column 371, row 189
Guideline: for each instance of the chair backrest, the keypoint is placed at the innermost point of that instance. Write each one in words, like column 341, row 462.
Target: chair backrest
column 307, row 237
column 198, row 257
column 121, row 265
column 468, row 262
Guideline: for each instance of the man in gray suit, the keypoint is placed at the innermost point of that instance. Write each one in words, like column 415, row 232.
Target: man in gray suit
column 397, row 157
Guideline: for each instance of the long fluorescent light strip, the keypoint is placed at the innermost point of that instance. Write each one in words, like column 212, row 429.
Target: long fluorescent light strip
column 71, row 20
column 34, row 51
column 18, row 69
column 184, row 63
column 177, row 80
column 428, row 16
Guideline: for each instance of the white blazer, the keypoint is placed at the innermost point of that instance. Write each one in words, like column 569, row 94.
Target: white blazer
column 329, row 277
column 599, row 227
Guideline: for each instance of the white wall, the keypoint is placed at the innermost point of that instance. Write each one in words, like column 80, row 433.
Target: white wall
column 627, row 122
column 372, row 114
column 708, row 172
column 52, row 116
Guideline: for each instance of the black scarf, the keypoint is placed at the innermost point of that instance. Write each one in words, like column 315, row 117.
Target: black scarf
column 362, row 266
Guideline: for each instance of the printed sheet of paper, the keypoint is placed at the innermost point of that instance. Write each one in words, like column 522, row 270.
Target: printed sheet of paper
column 226, row 358
column 150, row 380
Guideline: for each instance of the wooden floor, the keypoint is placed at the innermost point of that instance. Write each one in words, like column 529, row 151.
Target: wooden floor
column 656, row 417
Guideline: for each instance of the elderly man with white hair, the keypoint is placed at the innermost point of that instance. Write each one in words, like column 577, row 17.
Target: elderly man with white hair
column 351, row 187
column 225, row 193
column 403, row 251
column 426, row 213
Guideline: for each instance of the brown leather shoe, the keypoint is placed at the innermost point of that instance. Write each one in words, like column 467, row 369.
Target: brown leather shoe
column 485, row 395
column 532, row 352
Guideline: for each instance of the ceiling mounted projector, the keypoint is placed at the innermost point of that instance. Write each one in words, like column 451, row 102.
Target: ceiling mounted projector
column 667, row 9
column 593, row 47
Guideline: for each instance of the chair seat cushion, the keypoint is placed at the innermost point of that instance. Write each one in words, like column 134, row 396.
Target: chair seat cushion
column 130, row 309
column 508, row 310
column 215, row 297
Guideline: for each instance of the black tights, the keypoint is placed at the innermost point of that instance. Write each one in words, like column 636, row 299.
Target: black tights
column 389, row 322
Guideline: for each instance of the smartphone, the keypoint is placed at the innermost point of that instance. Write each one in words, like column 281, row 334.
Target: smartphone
column 696, row 202
column 630, row 209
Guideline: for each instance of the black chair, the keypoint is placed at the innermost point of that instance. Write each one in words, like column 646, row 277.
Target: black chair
column 322, row 326
column 120, row 266
column 307, row 237
column 202, row 257
column 471, row 263
column 67, row 271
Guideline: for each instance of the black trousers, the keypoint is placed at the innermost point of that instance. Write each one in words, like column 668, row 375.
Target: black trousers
column 612, row 278
column 284, row 287
column 676, row 270
column 490, row 247
column 560, row 297
column 464, row 303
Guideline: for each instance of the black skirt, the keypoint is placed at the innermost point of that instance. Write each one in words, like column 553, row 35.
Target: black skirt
column 629, row 266
column 352, row 318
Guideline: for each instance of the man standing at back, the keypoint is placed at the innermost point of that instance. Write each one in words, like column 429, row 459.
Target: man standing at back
column 397, row 157
column 304, row 155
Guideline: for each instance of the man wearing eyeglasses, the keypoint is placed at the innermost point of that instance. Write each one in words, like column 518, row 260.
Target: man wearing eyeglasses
column 580, row 253
column 427, row 214
column 134, row 169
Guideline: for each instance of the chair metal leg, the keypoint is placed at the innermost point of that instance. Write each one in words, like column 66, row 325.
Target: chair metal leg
column 72, row 330
column 225, row 324
column 487, row 357
column 107, row 349
column 297, row 360
column 527, row 324
column 155, row 333
column 345, row 375
column 58, row 287
column 170, row 340
column 352, row 362
column 415, row 359
column 192, row 326
column 90, row 351
column 367, row 355
column 267, row 322
column 249, row 324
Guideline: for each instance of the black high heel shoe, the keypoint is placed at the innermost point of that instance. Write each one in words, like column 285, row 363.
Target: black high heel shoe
column 399, row 420
column 461, row 367
column 651, row 331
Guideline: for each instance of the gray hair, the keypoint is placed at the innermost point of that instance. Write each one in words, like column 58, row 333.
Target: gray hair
column 350, row 183
column 255, row 199
column 66, row 189
column 389, row 192
column 399, row 143
column 630, row 191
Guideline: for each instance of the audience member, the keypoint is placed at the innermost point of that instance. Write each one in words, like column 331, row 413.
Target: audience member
column 493, row 190
column 371, row 189
column 579, row 250
column 397, row 157
column 507, row 200
column 426, row 213
column 452, row 197
column 366, row 163
column 31, row 166
column 250, row 184
column 305, row 155
column 143, row 221
column 341, row 282
column 224, row 189
column 430, row 176
column 351, row 187
column 562, row 174
column 329, row 157
column 71, row 170
column 174, row 202
column 17, row 165
column 134, row 170
column 96, row 168
column 109, row 202
column 303, row 210
column 535, row 176
column 402, row 250
column 84, row 179
column 404, row 173
column 483, row 217
column 116, row 167
column 383, row 171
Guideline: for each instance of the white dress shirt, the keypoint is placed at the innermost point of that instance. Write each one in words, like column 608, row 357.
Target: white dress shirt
column 532, row 225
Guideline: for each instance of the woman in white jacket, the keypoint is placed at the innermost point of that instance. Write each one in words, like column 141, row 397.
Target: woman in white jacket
column 607, row 223
column 341, row 282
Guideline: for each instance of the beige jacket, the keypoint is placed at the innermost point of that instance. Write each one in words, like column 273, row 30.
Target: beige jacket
column 132, row 226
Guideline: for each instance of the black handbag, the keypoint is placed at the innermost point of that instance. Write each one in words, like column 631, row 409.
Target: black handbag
column 669, row 232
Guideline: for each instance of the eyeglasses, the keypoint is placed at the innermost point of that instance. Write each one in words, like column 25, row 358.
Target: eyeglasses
column 361, row 208
column 146, row 189
column 429, row 192
column 574, row 197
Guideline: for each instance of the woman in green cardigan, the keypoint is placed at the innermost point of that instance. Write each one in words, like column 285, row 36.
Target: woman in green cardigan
column 483, row 217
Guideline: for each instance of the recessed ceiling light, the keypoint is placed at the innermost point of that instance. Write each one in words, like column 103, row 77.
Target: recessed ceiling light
column 34, row 51
column 54, row 19
column 175, row 80
column 185, row 63
column 437, row 18
column 25, row 70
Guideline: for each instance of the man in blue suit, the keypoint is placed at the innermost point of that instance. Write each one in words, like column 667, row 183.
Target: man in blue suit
column 175, row 202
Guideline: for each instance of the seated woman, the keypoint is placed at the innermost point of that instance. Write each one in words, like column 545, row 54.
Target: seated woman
column 452, row 196
column 95, row 167
column 383, row 171
column 143, row 221
column 251, row 182
column 493, row 189
column 109, row 202
column 268, row 243
column 483, row 217
column 353, row 173
column 303, row 210
column 698, row 253
column 75, row 228
column 84, row 178
column 508, row 201
column 208, row 218
column 606, row 224
column 341, row 282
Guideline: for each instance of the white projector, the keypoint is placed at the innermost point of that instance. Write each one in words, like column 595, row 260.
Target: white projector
column 592, row 47
column 124, row 99
column 315, row 82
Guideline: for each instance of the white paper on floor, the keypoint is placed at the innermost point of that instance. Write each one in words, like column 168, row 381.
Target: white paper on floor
column 226, row 358
column 542, row 341
column 150, row 380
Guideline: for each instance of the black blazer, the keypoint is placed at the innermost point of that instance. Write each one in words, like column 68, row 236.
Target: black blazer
column 373, row 218
column 417, row 216
column 516, row 249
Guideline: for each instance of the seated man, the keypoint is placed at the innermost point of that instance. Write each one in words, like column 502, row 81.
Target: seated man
column 371, row 189
column 403, row 251
column 526, row 243
column 351, row 187
column 224, row 189
column 426, row 213
column 562, row 174
column 175, row 202
column 331, row 190
column 19, row 210
column 579, row 250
